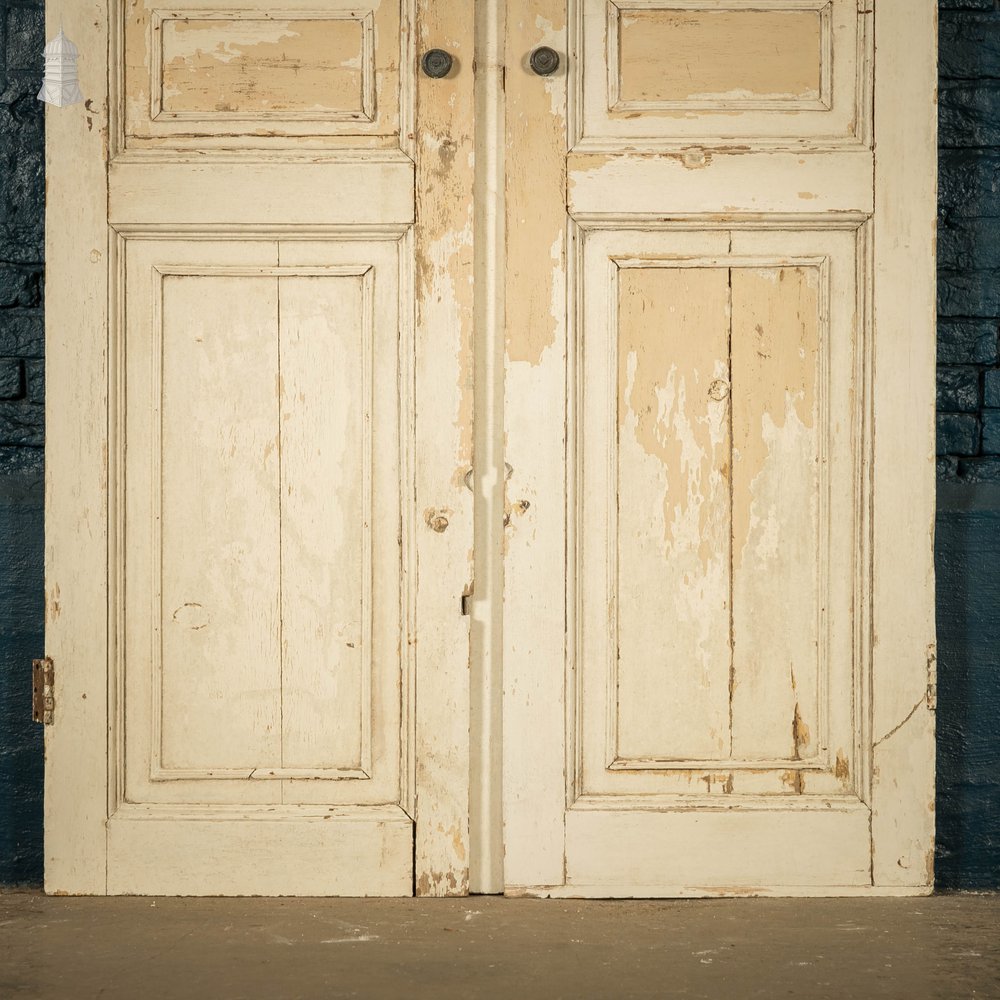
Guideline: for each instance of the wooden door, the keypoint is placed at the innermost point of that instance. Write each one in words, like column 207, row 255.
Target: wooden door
column 719, row 647
column 259, row 425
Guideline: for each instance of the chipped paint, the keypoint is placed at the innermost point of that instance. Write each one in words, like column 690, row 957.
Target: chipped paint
column 800, row 733
column 444, row 263
column 673, row 510
column 536, row 121
column 687, row 56
column 775, row 516
column 444, row 276
column 251, row 66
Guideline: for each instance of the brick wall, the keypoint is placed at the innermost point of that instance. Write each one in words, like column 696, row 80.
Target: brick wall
column 22, row 193
column 969, row 243
column 21, row 225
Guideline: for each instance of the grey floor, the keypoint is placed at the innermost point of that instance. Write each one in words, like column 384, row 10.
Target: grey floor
column 942, row 947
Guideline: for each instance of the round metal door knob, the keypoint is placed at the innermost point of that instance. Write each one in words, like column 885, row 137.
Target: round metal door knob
column 544, row 61
column 437, row 63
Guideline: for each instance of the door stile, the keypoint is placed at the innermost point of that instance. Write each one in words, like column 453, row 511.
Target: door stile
column 904, row 649
column 535, row 439
column 445, row 177
column 77, row 465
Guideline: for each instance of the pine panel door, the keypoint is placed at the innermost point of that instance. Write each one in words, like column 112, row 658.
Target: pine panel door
column 719, row 393
column 250, row 455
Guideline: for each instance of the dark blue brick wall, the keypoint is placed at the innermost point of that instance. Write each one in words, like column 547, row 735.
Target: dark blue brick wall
column 22, row 351
column 969, row 242
column 968, row 533
column 967, row 550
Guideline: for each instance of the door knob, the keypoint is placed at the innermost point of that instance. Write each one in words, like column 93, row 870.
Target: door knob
column 437, row 63
column 544, row 61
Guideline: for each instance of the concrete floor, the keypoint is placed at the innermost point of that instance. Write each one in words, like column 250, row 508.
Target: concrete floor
column 486, row 947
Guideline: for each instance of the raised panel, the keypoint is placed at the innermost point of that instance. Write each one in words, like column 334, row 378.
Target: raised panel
column 211, row 65
column 778, row 321
column 263, row 659
column 284, row 75
column 672, row 534
column 758, row 74
column 667, row 58
column 717, row 463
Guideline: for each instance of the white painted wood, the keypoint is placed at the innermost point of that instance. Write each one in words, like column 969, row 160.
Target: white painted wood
column 902, row 623
column 610, row 890
column 350, row 853
column 799, row 80
column 668, row 376
column 445, row 370
column 713, row 415
column 718, row 390
column 249, row 410
column 201, row 78
column 202, row 195
column 486, row 606
column 677, row 695
column 77, row 467
column 693, row 849
column 689, row 182
column 535, row 372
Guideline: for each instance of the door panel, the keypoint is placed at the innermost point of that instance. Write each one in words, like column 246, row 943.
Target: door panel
column 710, row 393
column 267, row 437
column 268, row 76
column 714, row 485
column 266, row 521
column 660, row 74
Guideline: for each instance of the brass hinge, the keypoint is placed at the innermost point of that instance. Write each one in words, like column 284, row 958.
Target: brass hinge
column 43, row 673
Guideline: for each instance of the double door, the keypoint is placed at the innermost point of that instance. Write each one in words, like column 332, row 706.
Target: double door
column 511, row 459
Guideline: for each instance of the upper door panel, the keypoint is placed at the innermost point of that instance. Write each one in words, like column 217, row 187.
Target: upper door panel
column 758, row 73
column 269, row 75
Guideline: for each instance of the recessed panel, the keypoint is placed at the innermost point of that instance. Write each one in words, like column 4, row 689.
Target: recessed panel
column 718, row 58
column 717, row 496
column 261, row 77
column 775, row 543
column 253, row 67
column 716, row 471
column 673, row 516
column 217, row 665
column 263, row 660
column 675, row 74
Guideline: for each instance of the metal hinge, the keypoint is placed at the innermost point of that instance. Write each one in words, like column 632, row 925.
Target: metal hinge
column 43, row 673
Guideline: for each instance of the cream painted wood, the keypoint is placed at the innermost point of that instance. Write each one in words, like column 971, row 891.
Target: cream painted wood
column 904, row 684
column 78, row 467
column 445, row 177
column 717, row 636
column 486, row 610
column 698, row 694
column 261, row 348
column 534, row 425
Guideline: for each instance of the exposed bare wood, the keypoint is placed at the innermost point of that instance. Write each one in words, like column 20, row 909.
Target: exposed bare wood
column 667, row 57
column 445, row 178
